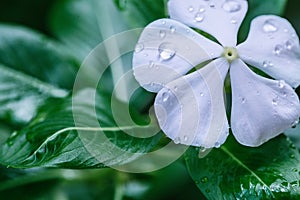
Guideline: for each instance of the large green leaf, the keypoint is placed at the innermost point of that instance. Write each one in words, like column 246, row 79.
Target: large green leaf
column 53, row 140
column 238, row 172
column 33, row 68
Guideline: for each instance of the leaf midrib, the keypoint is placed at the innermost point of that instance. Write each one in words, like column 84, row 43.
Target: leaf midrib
column 239, row 162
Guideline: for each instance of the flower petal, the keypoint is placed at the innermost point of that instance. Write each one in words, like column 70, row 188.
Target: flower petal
column 261, row 108
column 167, row 50
column 190, row 110
column 213, row 17
column 273, row 47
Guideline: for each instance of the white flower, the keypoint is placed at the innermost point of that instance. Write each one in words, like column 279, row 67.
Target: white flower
column 190, row 104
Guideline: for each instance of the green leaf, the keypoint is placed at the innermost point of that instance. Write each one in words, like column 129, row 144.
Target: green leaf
column 238, row 172
column 32, row 69
column 139, row 13
column 53, row 140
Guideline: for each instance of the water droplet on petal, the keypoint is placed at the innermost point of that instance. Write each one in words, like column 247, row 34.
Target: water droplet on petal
column 166, row 51
column 163, row 22
column 281, row 84
column 139, row 47
column 233, row 21
column 151, row 64
column 172, row 29
column 177, row 140
column 191, row 9
column 217, row 144
column 269, row 26
column 275, row 102
column 278, row 49
column 212, row 5
column 201, row 9
column 267, row 64
column 289, row 45
column 162, row 34
column 199, row 17
column 294, row 124
column 165, row 96
column 185, row 138
column 243, row 100
column 231, row 6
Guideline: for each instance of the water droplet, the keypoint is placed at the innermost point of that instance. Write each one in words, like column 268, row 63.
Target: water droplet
column 295, row 170
column 243, row 100
column 201, row 9
column 278, row 49
column 275, row 102
column 292, row 146
column 163, row 22
column 175, row 88
column 172, row 29
column 185, row 138
column 267, row 64
column 212, row 5
column 281, row 84
column 139, row 47
column 165, row 96
column 188, row 30
column 162, row 33
column 166, row 51
column 257, row 92
column 233, row 21
column 217, row 144
column 292, row 156
column 269, row 26
column 177, row 140
column 289, row 45
column 199, row 17
column 151, row 64
column 294, row 124
column 201, row 94
column 191, row 9
column 203, row 152
column 231, row 6
column 197, row 182
column 207, row 190
column 204, row 179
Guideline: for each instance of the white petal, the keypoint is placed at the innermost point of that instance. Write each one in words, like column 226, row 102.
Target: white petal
column 220, row 18
column 190, row 110
column 167, row 50
column 261, row 108
column 273, row 47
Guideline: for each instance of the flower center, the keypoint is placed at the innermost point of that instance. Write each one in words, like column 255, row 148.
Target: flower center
column 230, row 53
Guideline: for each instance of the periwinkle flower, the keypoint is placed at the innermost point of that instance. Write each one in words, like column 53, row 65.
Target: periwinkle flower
column 188, row 72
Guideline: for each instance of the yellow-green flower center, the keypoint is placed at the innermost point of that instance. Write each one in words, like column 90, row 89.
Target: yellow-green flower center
column 230, row 53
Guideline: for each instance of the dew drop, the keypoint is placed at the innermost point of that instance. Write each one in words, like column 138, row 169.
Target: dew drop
column 177, row 140
column 191, row 9
column 207, row 190
column 217, row 144
column 281, row 84
column 243, row 100
column 163, row 22
column 278, row 49
column 166, row 51
column 165, row 96
column 292, row 146
column 139, row 47
column 162, row 34
column 267, row 64
column 201, row 94
column 212, row 5
column 275, row 102
column 269, row 26
column 172, row 29
column 175, row 88
column 185, row 138
column 204, row 179
column 292, row 156
column 231, row 6
column 197, row 182
column 233, row 21
column 199, row 17
column 288, row 45
column 294, row 124
column 201, row 9
column 151, row 64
